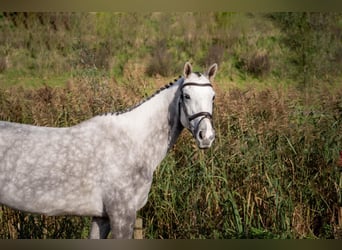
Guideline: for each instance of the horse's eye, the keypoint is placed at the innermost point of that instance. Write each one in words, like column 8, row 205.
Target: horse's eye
column 186, row 96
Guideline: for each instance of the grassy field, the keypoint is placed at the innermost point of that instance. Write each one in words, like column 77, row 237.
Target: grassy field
column 272, row 171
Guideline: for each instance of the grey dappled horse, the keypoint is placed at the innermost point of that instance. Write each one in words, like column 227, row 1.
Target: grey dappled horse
column 103, row 167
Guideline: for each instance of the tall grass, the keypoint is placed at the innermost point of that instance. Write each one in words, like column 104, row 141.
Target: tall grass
column 272, row 172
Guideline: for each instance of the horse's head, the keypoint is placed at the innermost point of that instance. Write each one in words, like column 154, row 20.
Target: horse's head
column 196, row 104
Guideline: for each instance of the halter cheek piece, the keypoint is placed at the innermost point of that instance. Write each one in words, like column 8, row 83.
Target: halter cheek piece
column 194, row 116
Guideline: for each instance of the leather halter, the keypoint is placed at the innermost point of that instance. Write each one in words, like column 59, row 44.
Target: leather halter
column 199, row 114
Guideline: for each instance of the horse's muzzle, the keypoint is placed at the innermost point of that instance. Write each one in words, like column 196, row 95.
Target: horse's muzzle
column 205, row 134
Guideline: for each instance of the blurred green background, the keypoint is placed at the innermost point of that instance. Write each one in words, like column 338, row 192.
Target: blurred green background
column 272, row 172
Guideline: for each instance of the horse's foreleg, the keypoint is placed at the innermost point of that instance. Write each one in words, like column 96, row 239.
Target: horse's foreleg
column 122, row 224
column 100, row 228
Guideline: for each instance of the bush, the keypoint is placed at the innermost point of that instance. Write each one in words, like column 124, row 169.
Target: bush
column 161, row 62
column 314, row 42
column 256, row 63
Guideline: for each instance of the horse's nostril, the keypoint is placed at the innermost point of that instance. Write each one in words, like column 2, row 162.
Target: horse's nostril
column 200, row 135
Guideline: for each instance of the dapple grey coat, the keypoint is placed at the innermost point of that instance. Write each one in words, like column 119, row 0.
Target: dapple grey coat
column 102, row 167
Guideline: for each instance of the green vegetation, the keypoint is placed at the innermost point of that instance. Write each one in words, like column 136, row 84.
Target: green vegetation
column 272, row 172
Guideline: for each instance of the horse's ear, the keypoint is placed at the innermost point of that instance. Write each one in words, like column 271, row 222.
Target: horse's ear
column 212, row 71
column 187, row 69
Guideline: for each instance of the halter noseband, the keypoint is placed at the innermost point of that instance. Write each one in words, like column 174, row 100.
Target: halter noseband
column 194, row 116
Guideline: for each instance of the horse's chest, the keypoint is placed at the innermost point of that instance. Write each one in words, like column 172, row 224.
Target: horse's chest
column 142, row 195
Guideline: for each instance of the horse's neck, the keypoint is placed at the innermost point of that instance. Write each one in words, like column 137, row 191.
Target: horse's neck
column 155, row 124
